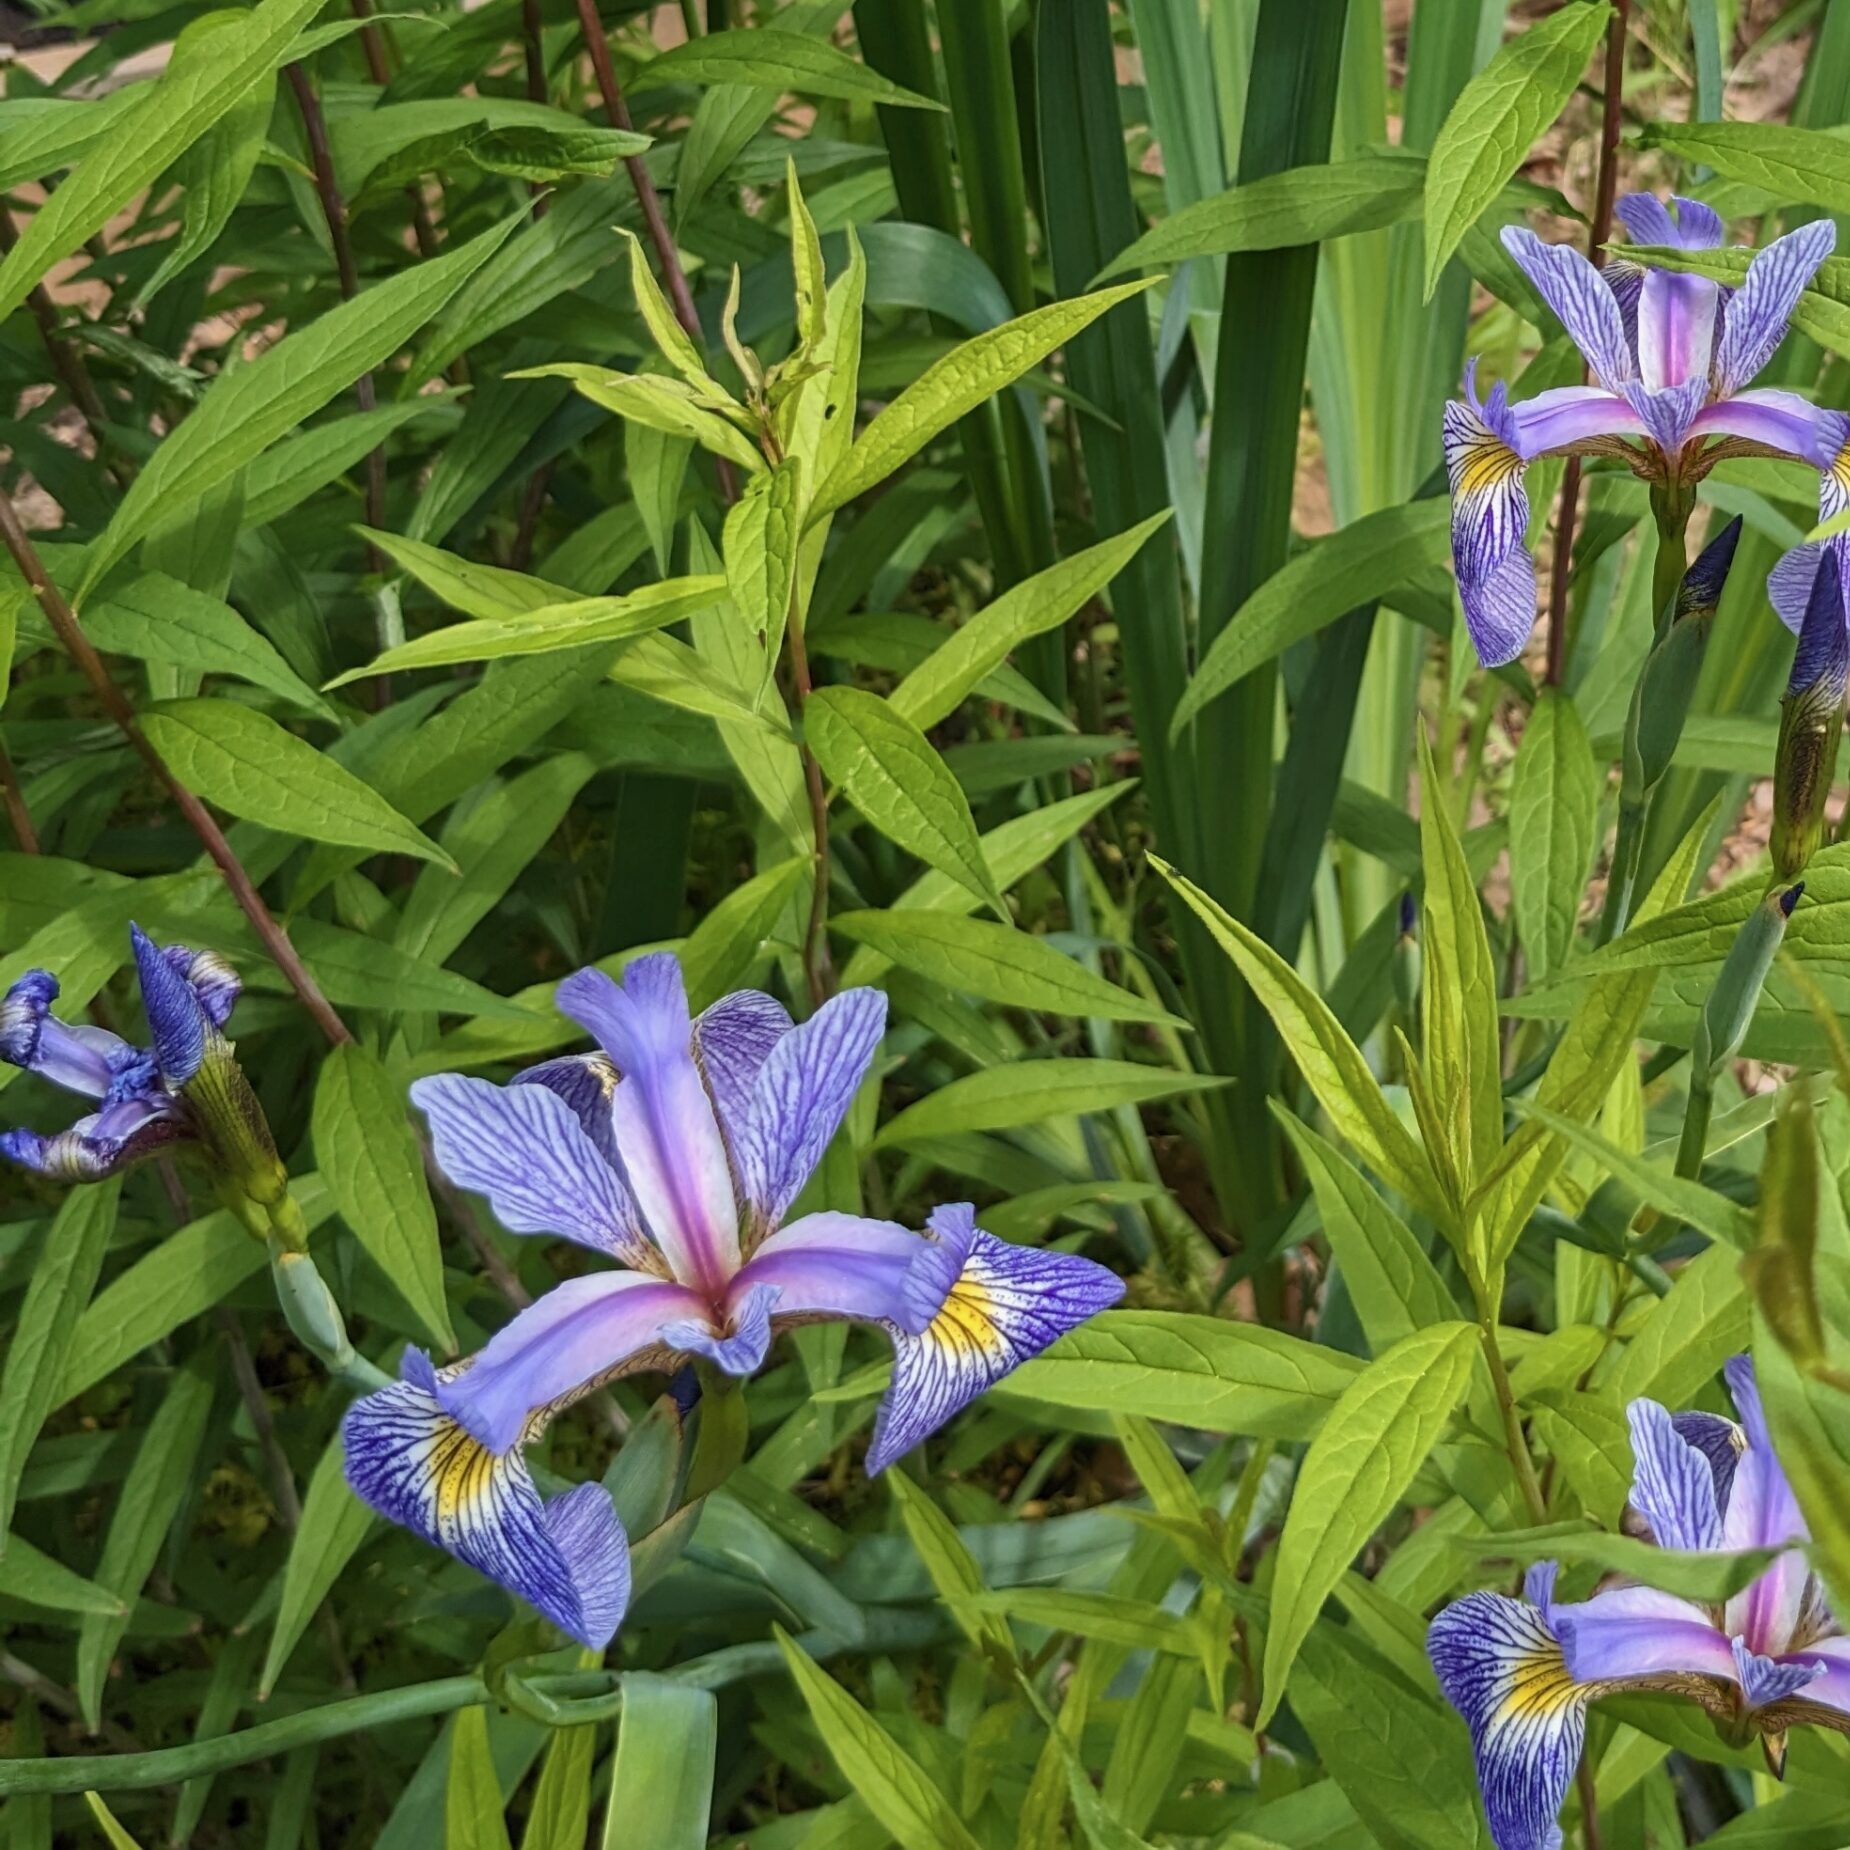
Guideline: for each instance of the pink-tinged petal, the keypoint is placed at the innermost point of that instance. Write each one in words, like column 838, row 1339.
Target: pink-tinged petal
column 1777, row 420
column 1676, row 329
column 1830, row 1660
column 1763, row 1513
column 1577, row 293
column 997, row 1306
column 1490, row 520
column 1673, row 1484
column 525, row 1149
column 1759, row 310
column 741, row 1347
column 410, row 1461
column 732, row 1041
column 1500, row 1666
column 580, row 1332
column 1567, row 416
column 838, row 1265
column 1640, row 1632
column 673, row 1154
column 801, row 1096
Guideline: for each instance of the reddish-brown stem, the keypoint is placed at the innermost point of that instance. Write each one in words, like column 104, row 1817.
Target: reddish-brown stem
column 379, row 68
column 1605, row 191
column 17, row 814
column 66, row 361
column 532, row 505
column 816, row 965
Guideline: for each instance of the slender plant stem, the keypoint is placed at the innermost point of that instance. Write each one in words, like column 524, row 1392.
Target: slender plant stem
column 1518, row 1446
column 1605, row 191
column 817, row 967
column 18, row 816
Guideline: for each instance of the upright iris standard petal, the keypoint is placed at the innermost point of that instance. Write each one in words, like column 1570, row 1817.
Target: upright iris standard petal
column 1582, row 302
column 1673, row 1487
column 580, row 1333
column 672, row 1151
column 414, row 1464
column 1000, row 1306
column 79, row 1058
column 528, row 1152
column 802, row 1093
column 1500, row 1666
column 732, row 1041
column 1760, row 309
column 585, row 1083
column 1763, row 1513
column 1693, row 227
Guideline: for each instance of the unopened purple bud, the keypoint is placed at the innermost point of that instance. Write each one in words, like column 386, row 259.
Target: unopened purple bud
column 1701, row 589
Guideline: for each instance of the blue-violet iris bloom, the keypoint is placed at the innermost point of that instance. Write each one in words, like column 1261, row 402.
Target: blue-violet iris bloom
column 676, row 1151
column 1673, row 359
column 140, row 1091
column 1521, row 1672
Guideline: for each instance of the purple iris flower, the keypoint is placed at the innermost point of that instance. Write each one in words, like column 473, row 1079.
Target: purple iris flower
column 676, row 1151
column 1673, row 359
column 142, row 1107
column 1521, row 1672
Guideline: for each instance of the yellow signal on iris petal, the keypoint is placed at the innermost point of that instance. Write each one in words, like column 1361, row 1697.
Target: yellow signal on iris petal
column 460, row 1468
column 1540, row 1687
column 1488, row 464
column 966, row 1323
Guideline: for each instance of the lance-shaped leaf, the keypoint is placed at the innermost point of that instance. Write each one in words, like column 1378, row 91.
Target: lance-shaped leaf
column 204, row 82
column 1797, row 166
column 671, row 406
column 1360, row 562
column 953, row 1569
column 889, row 771
column 1302, row 205
column 287, row 473
column 247, row 409
column 671, row 339
column 762, row 538
column 245, row 763
column 1458, row 996
column 368, row 1156
column 1495, row 121
column 722, row 951
column 1002, row 1097
column 661, row 1787
column 995, row 962
column 933, row 689
column 959, row 382
column 32, row 1576
column 1358, row 1466
column 1554, row 812
column 571, row 624
column 770, row 58
column 1710, row 1576
column 1703, row 1319
column 472, row 1800
column 1332, row 1064
column 334, row 1524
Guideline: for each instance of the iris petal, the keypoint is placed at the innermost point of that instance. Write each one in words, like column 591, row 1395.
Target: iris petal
column 1673, row 1485
column 1759, row 310
column 732, row 1041
column 1577, row 293
column 1490, row 520
column 838, row 1265
column 1639, row 1632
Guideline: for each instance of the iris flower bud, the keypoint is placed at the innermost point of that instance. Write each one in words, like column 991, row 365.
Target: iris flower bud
column 1811, row 723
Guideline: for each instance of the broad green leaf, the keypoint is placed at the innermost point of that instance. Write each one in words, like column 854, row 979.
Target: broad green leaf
column 1365, row 560
column 560, row 1818
column 1002, row 1097
column 1797, row 166
column 1711, row 1578
column 1303, row 205
column 1137, row 1625
column 1496, row 120
column 187, row 1273
column 157, row 1484
column 724, row 948
column 41, row 135
column 1203, row 1372
column 368, row 1157
column 958, row 383
column 1587, row 1437
column 763, row 535
column 202, row 84
column 59, row 1289
column 1678, row 1197
column 888, row 1780
column 1462, row 1044
column 287, row 473
column 472, row 1817
column 1396, row 1287
column 564, row 624
column 995, row 962
column 932, row 691
column 28, row 1574
column 769, row 58
column 1332, row 1064
column 1554, row 813
column 953, row 1569
column 664, row 668
column 888, row 770
column 161, row 620
column 248, row 408
column 1359, row 1465
column 661, row 1789
column 1810, row 1423
column 244, row 762
column 1688, row 1334
column 501, row 134
column 668, row 405
column 334, row 1524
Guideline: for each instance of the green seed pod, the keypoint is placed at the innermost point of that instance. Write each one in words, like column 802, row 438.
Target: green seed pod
column 310, row 1307
column 1729, row 1011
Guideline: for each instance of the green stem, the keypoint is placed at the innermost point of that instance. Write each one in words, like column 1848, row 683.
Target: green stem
column 1513, row 1437
column 1694, row 1142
